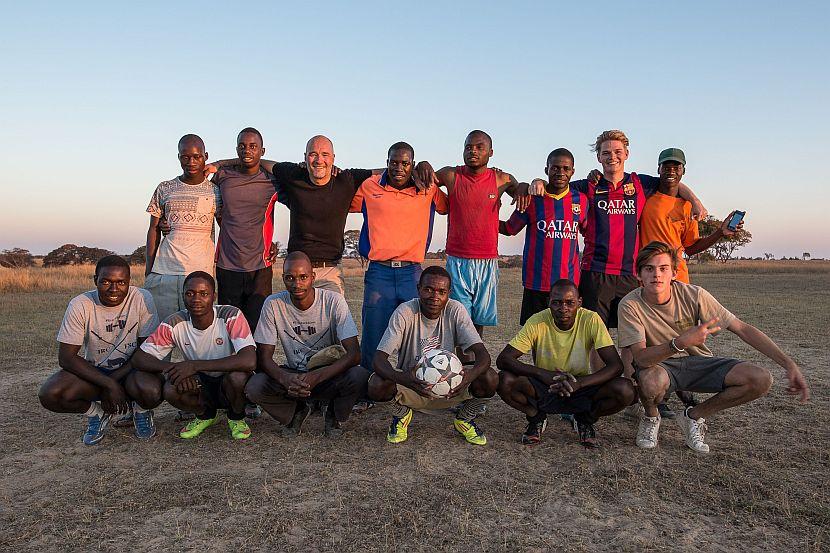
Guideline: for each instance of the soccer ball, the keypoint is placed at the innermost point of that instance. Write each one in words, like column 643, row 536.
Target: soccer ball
column 440, row 370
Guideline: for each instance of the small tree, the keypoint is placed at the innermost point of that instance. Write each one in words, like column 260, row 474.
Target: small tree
column 806, row 256
column 70, row 254
column 139, row 256
column 725, row 248
column 16, row 258
column 351, row 243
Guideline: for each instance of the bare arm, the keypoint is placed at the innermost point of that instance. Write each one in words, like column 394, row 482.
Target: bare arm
column 508, row 360
column 349, row 360
column 153, row 240
column 707, row 242
column 482, row 361
column 114, row 399
column 694, row 336
column 145, row 362
column 763, row 344
column 698, row 210
column 243, row 360
column 446, row 178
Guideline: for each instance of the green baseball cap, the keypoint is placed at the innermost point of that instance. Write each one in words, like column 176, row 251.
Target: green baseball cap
column 672, row 154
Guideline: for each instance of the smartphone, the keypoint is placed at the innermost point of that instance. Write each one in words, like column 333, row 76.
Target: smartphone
column 735, row 220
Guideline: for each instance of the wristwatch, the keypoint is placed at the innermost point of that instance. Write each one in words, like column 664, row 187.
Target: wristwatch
column 674, row 346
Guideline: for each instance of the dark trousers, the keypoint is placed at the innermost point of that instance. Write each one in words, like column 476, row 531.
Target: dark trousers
column 342, row 392
column 245, row 290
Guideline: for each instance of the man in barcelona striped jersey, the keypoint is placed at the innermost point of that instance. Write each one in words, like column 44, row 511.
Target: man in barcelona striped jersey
column 219, row 353
column 551, row 249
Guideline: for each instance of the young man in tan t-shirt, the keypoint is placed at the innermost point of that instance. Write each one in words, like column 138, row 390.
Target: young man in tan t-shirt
column 665, row 324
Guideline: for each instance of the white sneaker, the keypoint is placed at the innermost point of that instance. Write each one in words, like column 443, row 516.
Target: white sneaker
column 634, row 412
column 647, row 432
column 693, row 431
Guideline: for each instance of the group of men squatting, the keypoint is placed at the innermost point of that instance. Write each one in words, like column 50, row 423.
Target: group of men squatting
column 213, row 303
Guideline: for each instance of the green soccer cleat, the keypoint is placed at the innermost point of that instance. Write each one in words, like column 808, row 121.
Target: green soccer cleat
column 196, row 427
column 239, row 429
column 398, row 429
column 472, row 433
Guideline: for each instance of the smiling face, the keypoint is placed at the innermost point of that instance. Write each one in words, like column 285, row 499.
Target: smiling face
column 670, row 173
column 656, row 274
column 433, row 293
column 399, row 167
column 612, row 155
column 249, row 149
column 477, row 150
column 564, row 303
column 199, row 297
column 560, row 169
column 113, row 284
column 319, row 159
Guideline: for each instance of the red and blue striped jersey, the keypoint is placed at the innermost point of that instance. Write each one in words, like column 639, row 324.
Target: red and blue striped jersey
column 551, row 247
column 611, row 237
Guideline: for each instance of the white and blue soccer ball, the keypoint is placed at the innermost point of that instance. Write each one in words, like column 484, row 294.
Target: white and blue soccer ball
column 441, row 370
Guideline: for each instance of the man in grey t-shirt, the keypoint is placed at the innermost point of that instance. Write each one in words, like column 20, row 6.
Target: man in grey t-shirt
column 108, row 324
column 319, row 339
column 431, row 321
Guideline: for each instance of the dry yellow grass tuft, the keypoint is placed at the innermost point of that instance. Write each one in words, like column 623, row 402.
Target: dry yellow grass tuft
column 70, row 277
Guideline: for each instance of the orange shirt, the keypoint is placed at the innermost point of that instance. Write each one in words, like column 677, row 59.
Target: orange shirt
column 397, row 224
column 669, row 219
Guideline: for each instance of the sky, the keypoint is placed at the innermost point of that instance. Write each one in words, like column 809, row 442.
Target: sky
column 96, row 95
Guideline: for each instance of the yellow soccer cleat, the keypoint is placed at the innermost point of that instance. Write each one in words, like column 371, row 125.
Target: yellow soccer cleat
column 472, row 433
column 239, row 429
column 196, row 427
column 398, row 429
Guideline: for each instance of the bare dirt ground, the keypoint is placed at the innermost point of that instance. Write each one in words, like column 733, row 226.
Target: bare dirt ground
column 763, row 487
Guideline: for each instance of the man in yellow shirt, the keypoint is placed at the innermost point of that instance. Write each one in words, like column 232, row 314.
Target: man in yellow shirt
column 560, row 379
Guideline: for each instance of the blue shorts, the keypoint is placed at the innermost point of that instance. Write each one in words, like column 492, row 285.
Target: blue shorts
column 475, row 283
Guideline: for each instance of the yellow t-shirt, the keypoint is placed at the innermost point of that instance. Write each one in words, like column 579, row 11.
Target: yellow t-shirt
column 562, row 350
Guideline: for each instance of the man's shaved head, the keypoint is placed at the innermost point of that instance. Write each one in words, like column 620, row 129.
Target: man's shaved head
column 319, row 138
column 296, row 257
column 191, row 140
column 565, row 284
column 480, row 134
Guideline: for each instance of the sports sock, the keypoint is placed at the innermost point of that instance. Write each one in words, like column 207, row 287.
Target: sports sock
column 138, row 408
column 94, row 410
column 471, row 408
column 399, row 410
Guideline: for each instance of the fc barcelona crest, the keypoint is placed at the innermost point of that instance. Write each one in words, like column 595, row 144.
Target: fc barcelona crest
column 576, row 208
column 628, row 189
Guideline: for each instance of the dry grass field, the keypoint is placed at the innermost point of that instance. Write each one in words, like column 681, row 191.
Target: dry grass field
column 763, row 487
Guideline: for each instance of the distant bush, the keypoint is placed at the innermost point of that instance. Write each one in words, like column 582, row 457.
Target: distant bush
column 16, row 258
column 139, row 256
column 70, row 254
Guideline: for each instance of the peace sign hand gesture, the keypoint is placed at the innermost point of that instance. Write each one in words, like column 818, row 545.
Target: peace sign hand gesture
column 696, row 336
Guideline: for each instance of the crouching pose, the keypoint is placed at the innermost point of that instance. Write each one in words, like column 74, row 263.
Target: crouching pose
column 109, row 323
column 560, row 379
column 319, row 339
column 219, row 353
column 665, row 323
column 431, row 321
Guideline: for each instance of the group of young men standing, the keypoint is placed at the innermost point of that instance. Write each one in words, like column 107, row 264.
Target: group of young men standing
column 567, row 307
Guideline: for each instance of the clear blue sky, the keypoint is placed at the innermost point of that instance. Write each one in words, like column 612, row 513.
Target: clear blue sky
column 95, row 97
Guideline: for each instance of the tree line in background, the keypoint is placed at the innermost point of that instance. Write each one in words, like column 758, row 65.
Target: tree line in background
column 71, row 254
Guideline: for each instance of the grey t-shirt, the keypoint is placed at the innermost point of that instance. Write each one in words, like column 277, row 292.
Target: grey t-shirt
column 108, row 335
column 247, row 219
column 304, row 333
column 410, row 335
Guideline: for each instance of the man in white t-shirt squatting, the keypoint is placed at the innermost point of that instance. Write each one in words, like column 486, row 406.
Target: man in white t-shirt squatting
column 219, row 353
column 431, row 321
column 665, row 324
column 319, row 339
column 108, row 323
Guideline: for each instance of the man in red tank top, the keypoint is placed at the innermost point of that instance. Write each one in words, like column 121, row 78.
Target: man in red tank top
column 474, row 192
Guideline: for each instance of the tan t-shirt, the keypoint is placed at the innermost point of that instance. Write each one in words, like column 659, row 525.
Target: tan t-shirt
column 689, row 305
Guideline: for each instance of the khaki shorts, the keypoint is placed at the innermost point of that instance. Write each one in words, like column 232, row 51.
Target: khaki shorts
column 415, row 401
column 329, row 278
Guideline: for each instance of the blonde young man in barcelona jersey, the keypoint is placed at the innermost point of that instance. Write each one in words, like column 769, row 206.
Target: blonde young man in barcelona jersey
column 665, row 325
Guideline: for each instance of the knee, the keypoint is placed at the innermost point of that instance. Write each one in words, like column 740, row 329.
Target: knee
column 486, row 384
column 254, row 386
column 623, row 389
column 356, row 378
column 50, row 395
column 145, row 389
column 761, row 382
column 237, row 380
column 506, row 382
column 380, row 389
column 653, row 381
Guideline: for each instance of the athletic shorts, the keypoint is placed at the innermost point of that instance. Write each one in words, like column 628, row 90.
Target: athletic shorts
column 533, row 301
column 212, row 390
column 578, row 403
column 696, row 373
column 416, row 401
column 475, row 283
column 167, row 293
column 602, row 293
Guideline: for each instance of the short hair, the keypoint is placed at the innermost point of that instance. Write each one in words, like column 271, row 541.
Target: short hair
column 560, row 152
column 605, row 136
column 401, row 146
column 477, row 131
column 656, row 248
column 200, row 274
column 191, row 138
column 435, row 270
column 251, row 130
column 566, row 283
column 111, row 261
